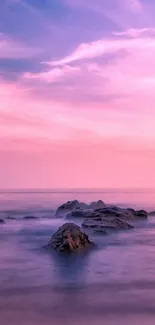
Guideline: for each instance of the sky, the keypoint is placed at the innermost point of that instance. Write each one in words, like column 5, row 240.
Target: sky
column 77, row 94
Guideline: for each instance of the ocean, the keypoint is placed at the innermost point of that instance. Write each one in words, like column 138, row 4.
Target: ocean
column 114, row 284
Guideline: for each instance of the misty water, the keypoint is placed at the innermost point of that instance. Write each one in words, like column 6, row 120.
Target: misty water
column 114, row 284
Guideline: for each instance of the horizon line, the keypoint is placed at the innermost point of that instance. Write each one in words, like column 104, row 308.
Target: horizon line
column 73, row 189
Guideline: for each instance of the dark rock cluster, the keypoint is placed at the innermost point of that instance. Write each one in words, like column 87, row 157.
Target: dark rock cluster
column 97, row 216
column 71, row 206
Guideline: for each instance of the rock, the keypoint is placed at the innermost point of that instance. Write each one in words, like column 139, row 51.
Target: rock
column 2, row 221
column 11, row 218
column 77, row 214
column 107, row 213
column 113, row 207
column 97, row 205
column 127, row 214
column 30, row 218
column 130, row 210
column 140, row 214
column 82, row 210
column 92, row 214
column 103, row 223
column 152, row 213
column 68, row 207
column 69, row 238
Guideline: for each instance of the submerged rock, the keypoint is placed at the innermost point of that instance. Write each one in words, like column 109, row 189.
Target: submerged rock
column 69, row 238
column 152, row 213
column 2, row 221
column 29, row 218
column 11, row 218
column 99, row 223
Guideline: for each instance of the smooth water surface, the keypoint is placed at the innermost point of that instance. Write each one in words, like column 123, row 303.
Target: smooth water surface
column 114, row 284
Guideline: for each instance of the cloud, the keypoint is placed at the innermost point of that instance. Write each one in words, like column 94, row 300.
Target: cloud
column 93, row 99
column 103, row 46
column 89, row 81
column 53, row 74
column 83, row 79
column 137, row 32
column 81, row 85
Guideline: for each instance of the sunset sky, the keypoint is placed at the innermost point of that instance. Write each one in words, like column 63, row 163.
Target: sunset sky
column 77, row 93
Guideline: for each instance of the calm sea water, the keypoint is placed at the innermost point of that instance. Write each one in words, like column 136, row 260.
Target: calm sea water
column 114, row 284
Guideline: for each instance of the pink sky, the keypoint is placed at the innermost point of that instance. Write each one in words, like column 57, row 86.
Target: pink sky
column 84, row 115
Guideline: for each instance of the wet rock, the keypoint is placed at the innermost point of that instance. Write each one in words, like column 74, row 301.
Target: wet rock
column 82, row 210
column 130, row 210
column 106, row 213
column 105, row 224
column 152, row 213
column 113, row 207
column 30, row 218
column 109, row 212
column 92, row 214
column 69, row 238
column 71, row 206
column 2, row 221
column 67, row 207
column 127, row 214
column 11, row 218
column 140, row 214
column 97, row 205
column 77, row 214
